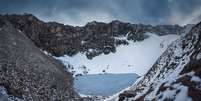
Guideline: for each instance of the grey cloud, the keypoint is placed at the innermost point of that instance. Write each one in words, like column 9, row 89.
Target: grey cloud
column 78, row 12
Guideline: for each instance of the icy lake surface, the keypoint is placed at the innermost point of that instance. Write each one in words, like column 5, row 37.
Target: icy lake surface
column 103, row 84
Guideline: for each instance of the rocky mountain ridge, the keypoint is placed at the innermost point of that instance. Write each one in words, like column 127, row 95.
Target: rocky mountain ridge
column 93, row 39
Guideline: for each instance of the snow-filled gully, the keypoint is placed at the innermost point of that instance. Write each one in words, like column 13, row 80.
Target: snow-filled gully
column 122, row 67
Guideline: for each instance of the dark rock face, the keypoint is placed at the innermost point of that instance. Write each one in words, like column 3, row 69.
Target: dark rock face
column 92, row 39
column 29, row 74
column 177, row 71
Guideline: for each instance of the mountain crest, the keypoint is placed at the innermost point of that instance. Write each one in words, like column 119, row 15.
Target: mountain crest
column 59, row 39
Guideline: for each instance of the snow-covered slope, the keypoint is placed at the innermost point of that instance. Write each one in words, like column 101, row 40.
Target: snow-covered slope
column 175, row 76
column 137, row 57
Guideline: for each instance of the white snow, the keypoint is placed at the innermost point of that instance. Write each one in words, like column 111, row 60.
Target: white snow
column 195, row 79
column 116, row 95
column 198, row 56
column 137, row 57
column 91, row 50
column 45, row 52
column 83, row 42
column 171, row 94
column 19, row 30
column 183, row 94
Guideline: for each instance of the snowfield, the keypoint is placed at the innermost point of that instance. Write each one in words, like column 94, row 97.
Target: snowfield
column 137, row 57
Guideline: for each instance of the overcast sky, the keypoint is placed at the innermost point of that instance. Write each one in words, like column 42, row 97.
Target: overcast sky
column 79, row 12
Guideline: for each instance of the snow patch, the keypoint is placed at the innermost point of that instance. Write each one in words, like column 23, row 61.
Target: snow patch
column 198, row 56
column 183, row 94
column 196, row 79
column 83, row 42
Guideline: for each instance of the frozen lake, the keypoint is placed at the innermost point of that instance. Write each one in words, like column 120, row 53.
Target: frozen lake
column 103, row 84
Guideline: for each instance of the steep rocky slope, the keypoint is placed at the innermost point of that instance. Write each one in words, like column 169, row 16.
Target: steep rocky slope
column 92, row 39
column 176, row 75
column 27, row 73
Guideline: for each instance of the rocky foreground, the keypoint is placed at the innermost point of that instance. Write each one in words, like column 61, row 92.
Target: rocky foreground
column 27, row 73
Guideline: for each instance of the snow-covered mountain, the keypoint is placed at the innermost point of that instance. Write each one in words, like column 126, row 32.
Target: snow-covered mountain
column 93, row 39
column 131, row 47
column 136, row 57
column 107, row 49
column 175, row 76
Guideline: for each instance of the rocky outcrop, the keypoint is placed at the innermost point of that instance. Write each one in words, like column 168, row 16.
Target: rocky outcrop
column 27, row 73
column 175, row 76
column 92, row 39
